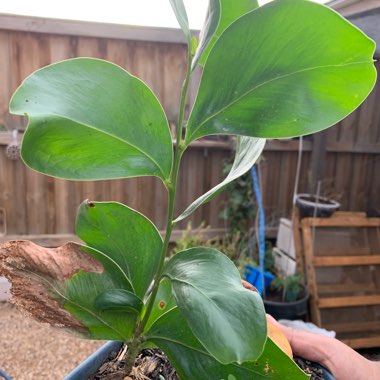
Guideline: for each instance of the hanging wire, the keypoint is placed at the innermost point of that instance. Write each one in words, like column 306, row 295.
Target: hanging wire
column 315, row 214
column 261, row 235
column 295, row 191
column 298, row 170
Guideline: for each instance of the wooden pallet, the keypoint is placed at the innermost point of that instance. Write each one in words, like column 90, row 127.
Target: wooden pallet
column 342, row 263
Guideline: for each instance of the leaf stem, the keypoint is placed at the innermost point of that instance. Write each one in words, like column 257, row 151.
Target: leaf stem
column 184, row 91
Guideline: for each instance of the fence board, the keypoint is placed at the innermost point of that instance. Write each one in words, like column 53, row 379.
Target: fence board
column 6, row 84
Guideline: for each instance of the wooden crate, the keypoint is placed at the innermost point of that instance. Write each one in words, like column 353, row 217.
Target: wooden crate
column 342, row 264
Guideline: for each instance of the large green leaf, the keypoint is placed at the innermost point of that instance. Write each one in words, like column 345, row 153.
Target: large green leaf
column 192, row 362
column 288, row 68
column 248, row 150
column 224, row 316
column 90, row 119
column 220, row 15
column 181, row 15
column 116, row 230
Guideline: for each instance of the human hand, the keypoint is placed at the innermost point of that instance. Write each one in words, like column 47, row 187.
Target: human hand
column 342, row 361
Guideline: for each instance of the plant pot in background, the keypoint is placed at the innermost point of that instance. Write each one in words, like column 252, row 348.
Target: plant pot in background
column 310, row 205
column 288, row 310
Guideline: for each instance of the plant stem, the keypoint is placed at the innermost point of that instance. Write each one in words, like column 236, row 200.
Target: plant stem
column 130, row 357
column 172, row 190
column 169, row 228
column 172, row 187
column 182, row 106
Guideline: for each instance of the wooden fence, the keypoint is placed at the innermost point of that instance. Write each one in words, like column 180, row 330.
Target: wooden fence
column 37, row 204
column 345, row 159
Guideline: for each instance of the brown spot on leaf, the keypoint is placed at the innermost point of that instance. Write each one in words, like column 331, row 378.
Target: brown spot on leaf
column 162, row 304
column 89, row 203
column 248, row 285
column 34, row 270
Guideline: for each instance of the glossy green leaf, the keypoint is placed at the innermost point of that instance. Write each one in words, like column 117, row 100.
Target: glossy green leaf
column 109, row 121
column 296, row 76
column 208, row 30
column 116, row 230
column 164, row 302
column 79, row 296
column 222, row 314
column 248, row 150
column 192, row 361
column 220, row 14
column 118, row 300
column 181, row 15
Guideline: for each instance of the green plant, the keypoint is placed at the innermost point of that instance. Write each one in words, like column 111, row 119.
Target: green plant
column 290, row 286
column 239, row 213
column 229, row 244
column 192, row 238
column 240, row 208
column 286, row 69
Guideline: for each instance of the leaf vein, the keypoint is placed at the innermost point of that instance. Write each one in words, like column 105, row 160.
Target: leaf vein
column 262, row 84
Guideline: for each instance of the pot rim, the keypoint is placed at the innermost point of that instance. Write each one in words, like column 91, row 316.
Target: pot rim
column 333, row 204
column 292, row 303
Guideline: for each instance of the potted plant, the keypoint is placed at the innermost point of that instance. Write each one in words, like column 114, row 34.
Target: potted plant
column 310, row 205
column 287, row 297
column 275, row 71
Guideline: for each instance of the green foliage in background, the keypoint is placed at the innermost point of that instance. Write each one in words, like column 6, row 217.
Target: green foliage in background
column 290, row 287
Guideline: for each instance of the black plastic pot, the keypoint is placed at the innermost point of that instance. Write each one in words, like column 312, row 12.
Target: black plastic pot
column 287, row 310
column 91, row 365
column 310, row 205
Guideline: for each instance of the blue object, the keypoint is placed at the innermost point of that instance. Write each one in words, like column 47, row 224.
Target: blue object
column 4, row 375
column 253, row 276
column 91, row 365
column 256, row 188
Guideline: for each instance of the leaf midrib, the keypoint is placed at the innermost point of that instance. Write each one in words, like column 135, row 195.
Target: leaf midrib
column 112, row 261
column 102, row 132
column 189, row 139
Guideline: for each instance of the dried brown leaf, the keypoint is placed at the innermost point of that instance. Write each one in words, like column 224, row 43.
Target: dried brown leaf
column 33, row 270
